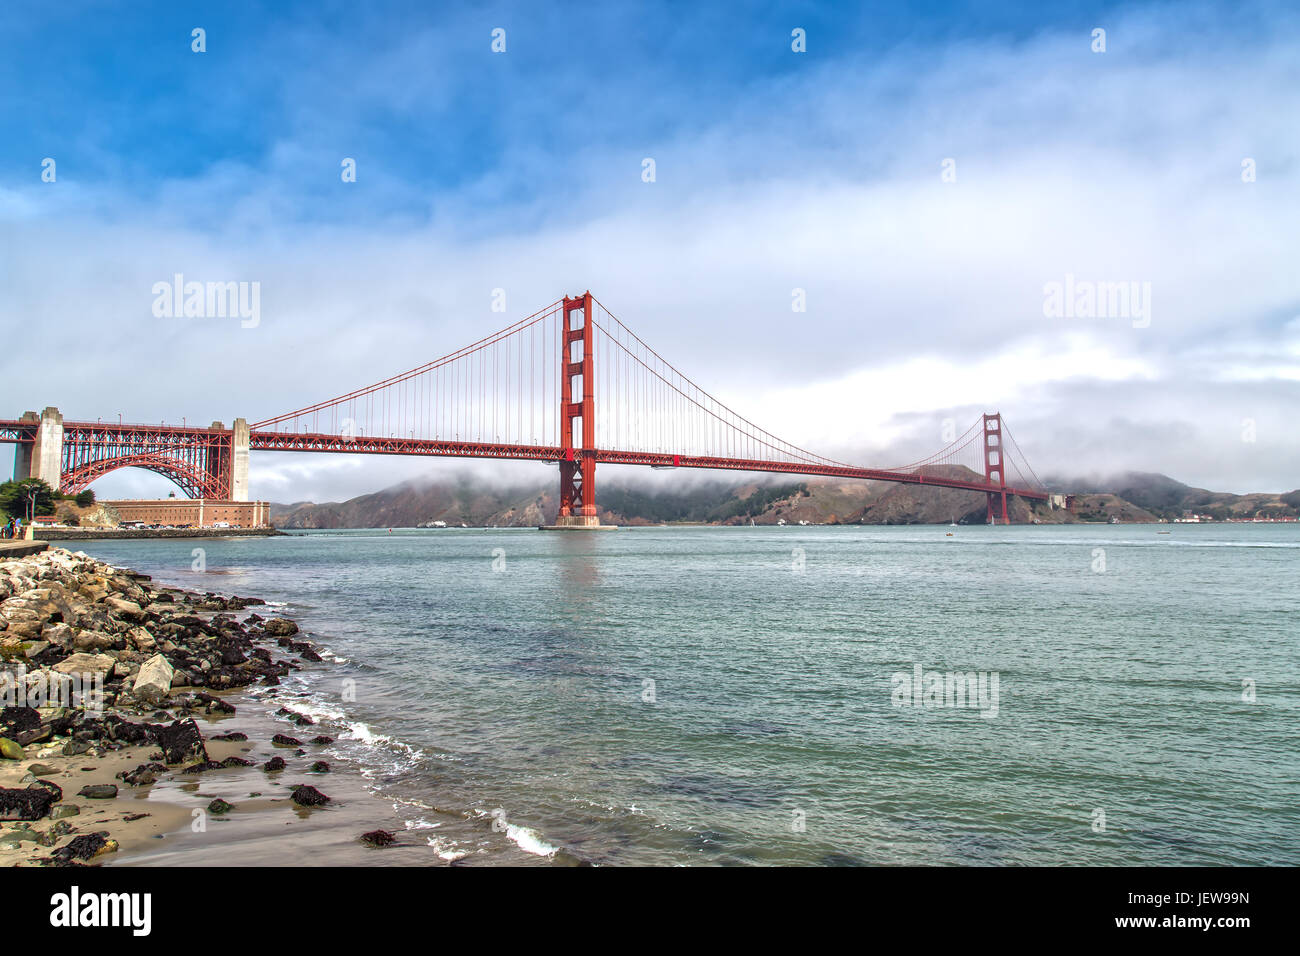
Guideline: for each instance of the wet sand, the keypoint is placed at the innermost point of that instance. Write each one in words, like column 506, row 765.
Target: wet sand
column 168, row 823
column 269, row 829
column 151, row 818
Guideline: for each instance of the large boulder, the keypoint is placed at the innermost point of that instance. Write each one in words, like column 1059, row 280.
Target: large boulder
column 124, row 609
column 280, row 627
column 29, row 804
column 85, row 664
column 143, row 640
column 180, row 742
column 89, row 640
column 154, row 682
column 60, row 634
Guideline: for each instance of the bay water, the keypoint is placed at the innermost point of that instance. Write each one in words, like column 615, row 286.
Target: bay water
column 792, row 695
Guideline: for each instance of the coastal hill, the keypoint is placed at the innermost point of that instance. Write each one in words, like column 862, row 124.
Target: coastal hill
column 1129, row 497
column 1163, row 496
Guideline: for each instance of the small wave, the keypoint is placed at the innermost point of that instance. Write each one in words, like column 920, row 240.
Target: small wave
column 526, row 838
column 447, row 851
column 317, row 710
column 420, row 825
column 359, row 730
column 530, row 841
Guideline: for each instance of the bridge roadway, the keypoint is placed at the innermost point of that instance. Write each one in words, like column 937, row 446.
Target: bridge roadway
column 24, row 434
column 370, row 445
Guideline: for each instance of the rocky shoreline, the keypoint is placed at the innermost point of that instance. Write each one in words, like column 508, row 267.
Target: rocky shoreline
column 107, row 684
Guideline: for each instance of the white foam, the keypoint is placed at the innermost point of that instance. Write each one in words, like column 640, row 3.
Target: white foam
column 446, row 851
column 420, row 825
column 319, row 711
column 530, row 841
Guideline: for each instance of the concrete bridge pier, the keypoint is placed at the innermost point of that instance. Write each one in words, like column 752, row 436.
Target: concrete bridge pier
column 44, row 457
column 239, row 441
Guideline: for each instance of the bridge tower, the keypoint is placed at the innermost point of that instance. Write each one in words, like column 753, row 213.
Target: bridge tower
column 577, row 401
column 236, row 473
column 994, row 473
column 43, row 458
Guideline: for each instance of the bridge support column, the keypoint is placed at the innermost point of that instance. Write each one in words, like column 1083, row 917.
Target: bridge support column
column 578, row 462
column 994, row 472
column 46, row 457
column 23, row 450
column 239, row 460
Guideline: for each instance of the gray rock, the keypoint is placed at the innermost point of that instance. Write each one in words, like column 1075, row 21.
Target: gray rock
column 127, row 610
column 98, row 791
column 154, row 681
column 85, row 663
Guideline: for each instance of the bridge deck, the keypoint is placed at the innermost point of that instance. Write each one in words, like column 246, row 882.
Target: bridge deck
column 369, row 445
column 13, row 431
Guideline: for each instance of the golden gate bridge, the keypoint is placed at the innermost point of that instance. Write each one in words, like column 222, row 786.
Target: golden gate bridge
column 569, row 384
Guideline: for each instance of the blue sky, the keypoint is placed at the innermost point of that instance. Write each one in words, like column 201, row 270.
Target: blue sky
column 415, row 83
column 774, row 170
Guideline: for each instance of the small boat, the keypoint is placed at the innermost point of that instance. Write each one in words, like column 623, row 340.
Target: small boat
column 948, row 535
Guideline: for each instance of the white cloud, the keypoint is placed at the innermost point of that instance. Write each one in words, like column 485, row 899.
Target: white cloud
column 924, row 298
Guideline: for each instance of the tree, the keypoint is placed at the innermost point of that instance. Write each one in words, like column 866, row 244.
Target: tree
column 23, row 499
column 85, row 499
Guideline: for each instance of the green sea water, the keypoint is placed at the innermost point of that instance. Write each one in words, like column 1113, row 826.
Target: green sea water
column 742, row 695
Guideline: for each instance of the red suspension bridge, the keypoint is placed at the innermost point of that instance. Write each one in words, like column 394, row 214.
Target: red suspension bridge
column 526, row 392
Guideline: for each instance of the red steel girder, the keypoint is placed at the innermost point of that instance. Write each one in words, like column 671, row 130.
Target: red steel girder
column 174, row 451
column 804, row 468
column 195, row 482
column 372, row 445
